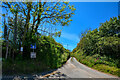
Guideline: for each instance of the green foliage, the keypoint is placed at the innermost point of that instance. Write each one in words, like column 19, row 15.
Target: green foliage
column 107, row 69
column 31, row 68
column 109, row 46
column 110, row 28
column 27, row 18
column 49, row 54
column 100, row 48
column 42, row 12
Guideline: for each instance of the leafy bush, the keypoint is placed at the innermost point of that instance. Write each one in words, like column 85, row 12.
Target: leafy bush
column 101, row 47
column 107, row 69
column 22, row 67
column 49, row 54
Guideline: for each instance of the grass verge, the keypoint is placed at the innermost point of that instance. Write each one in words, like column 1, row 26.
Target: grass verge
column 100, row 63
column 23, row 67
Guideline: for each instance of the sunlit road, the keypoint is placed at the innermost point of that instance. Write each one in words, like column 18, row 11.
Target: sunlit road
column 74, row 69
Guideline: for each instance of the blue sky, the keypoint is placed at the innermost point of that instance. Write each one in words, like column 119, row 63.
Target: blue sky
column 87, row 15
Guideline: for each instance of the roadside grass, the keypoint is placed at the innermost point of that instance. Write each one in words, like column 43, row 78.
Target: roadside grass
column 30, row 66
column 107, row 69
column 23, row 67
column 100, row 63
column 72, row 59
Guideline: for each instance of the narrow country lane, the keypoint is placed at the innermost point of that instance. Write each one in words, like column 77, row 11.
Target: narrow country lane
column 74, row 69
column 71, row 70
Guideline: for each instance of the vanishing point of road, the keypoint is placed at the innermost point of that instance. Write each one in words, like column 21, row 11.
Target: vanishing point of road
column 74, row 69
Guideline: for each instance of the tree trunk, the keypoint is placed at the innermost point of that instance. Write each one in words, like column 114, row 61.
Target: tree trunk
column 7, row 45
column 15, row 28
column 26, row 24
column 7, row 49
column 5, row 30
column 39, row 15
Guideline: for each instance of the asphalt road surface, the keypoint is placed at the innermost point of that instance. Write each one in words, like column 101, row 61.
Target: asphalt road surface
column 74, row 69
column 71, row 70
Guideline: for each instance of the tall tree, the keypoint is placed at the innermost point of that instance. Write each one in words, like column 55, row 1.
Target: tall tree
column 35, row 16
column 111, row 27
column 39, row 13
column 15, row 27
column 5, row 28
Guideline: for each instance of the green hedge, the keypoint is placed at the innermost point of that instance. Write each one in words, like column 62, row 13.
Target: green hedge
column 101, row 47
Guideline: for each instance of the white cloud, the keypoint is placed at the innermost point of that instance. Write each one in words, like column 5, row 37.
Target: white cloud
column 70, row 36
